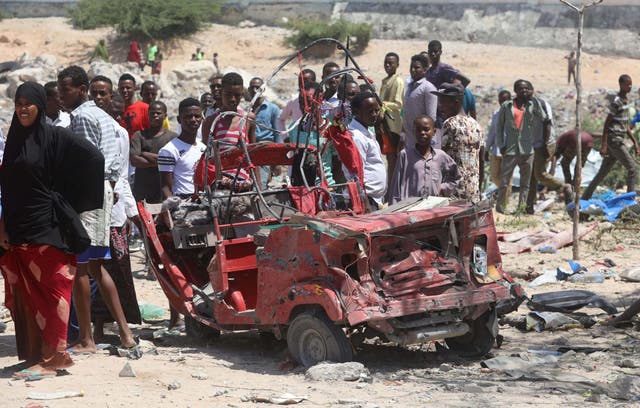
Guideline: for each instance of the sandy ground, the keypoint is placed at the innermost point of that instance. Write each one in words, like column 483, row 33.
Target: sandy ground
column 240, row 365
column 231, row 370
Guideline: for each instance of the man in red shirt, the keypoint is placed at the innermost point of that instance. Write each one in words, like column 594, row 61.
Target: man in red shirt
column 566, row 150
column 136, row 113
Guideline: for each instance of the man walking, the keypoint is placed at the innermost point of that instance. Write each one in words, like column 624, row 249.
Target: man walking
column 613, row 149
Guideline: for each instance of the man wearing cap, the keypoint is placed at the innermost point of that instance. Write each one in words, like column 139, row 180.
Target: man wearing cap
column 462, row 140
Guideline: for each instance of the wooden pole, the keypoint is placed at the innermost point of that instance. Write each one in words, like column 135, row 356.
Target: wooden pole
column 577, row 178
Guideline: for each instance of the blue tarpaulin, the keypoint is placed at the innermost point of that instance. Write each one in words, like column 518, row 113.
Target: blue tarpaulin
column 608, row 203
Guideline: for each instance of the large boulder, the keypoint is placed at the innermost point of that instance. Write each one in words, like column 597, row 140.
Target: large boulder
column 114, row 71
column 38, row 74
column 46, row 60
column 195, row 71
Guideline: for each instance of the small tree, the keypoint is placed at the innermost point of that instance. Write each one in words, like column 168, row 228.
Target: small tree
column 307, row 31
column 4, row 14
column 151, row 19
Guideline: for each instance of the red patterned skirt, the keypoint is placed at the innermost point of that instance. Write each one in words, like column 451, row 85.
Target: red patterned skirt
column 38, row 284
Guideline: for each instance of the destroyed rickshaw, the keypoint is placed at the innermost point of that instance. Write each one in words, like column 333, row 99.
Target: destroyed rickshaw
column 310, row 264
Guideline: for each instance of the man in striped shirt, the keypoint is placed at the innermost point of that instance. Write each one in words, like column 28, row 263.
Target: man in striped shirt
column 94, row 124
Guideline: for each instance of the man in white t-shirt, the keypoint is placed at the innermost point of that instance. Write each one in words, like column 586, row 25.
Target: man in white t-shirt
column 366, row 110
column 177, row 160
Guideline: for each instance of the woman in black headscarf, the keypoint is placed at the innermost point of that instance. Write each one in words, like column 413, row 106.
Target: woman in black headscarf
column 47, row 176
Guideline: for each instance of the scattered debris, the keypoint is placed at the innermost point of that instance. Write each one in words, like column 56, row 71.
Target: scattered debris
column 626, row 363
column 54, row 395
column 535, row 368
column 625, row 388
column 199, row 376
column 548, row 276
column 591, row 277
column 133, row 353
column 151, row 313
column 568, row 301
column 174, row 385
column 594, row 398
column 284, row 399
column 165, row 333
column 631, row 274
column 610, row 208
column 519, row 242
column 543, row 205
column 547, row 249
column 127, row 371
column 540, row 321
column 178, row 359
column 327, row 371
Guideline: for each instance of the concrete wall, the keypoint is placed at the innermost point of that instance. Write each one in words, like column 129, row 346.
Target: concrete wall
column 611, row 27
column 37, row 8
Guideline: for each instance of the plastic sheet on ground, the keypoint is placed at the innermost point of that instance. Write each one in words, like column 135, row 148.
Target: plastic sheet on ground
column 518, row 242
column 631, row 274
column 609, row 207
column 535, row 368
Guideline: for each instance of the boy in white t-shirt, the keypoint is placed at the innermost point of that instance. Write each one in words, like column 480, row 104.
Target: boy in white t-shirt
column 177, row 160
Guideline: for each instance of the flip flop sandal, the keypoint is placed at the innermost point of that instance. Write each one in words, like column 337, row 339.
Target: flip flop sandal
column 31, row 375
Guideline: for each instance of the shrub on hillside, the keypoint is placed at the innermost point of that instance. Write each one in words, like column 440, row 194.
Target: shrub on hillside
column 4, row 14
column 306, row 31
column 152, row 19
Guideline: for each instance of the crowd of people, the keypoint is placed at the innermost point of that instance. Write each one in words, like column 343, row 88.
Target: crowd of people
column 85, row 150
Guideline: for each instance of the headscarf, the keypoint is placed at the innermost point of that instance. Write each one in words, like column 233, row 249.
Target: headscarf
column 35, row 93
column 38, row 160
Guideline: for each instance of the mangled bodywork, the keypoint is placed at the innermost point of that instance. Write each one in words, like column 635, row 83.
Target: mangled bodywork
column 400, row 273
column 403, row 276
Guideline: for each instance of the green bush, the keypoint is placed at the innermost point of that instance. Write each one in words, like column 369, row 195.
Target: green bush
column 4, row 14
column 150, row 19
column 306, row 31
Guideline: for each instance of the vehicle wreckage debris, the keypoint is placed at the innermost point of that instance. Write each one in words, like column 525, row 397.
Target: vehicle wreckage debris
column 283, row 399
column 174, row 385
column 327, row 371
column 569, row 301
column 540, row 321
column 54, row 395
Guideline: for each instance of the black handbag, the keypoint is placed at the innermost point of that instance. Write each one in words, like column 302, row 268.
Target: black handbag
column 71, row 228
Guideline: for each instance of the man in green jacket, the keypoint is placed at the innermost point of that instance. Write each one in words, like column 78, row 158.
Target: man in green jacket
column 515, row 128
